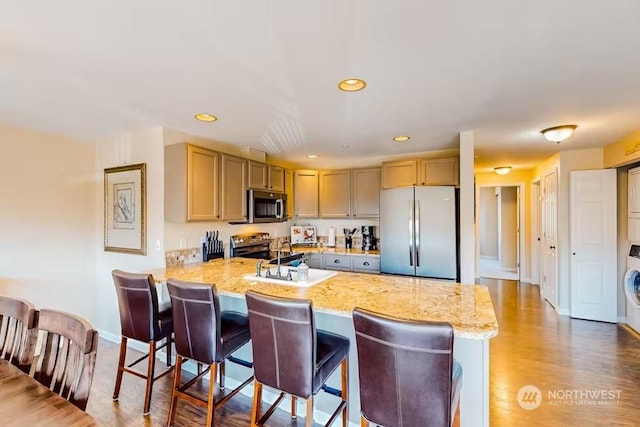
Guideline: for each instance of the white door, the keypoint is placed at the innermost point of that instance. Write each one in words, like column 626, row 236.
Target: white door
column 593, row 210
column 518, row 232
column 550, row 239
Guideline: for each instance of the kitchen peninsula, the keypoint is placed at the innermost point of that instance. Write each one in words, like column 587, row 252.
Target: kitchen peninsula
column 467, row 307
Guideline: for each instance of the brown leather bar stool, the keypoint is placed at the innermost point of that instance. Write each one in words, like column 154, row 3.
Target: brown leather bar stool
column 142, row 319
column 291, row 356
column 205, row 335
column 408, row 376
column 18, row 331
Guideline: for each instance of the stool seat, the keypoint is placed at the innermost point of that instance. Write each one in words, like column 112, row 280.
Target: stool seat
column 234, row 332
column 331, row 350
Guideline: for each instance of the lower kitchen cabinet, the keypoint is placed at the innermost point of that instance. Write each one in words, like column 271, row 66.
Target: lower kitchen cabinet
column 366, row 264
column 337, row 262
column 314, row 260
column 355, row 263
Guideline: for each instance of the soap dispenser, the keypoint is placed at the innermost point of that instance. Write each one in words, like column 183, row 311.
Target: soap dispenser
column 303, row 272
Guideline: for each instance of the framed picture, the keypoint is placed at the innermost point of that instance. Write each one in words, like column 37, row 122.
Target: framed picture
column 125, row 209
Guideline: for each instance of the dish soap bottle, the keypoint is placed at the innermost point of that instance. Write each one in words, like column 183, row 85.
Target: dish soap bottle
column 303, row 272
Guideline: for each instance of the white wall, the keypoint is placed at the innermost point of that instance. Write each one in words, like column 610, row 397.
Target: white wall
column 508, row 226
column 137, row 147
column 488, row 223
column 47, row 225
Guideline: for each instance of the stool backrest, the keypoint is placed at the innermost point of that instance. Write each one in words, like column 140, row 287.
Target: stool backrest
column 18, row 331
column 405, row 370
column 196, row 320
column 283, row 336
column 67, row 355
column 138, row 303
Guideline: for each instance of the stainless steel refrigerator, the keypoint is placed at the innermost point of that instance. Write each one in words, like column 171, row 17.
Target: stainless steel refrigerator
column 418, row 232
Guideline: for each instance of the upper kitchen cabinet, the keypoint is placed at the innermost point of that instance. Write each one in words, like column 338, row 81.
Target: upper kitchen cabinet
column 306, row 194
column 399, row 173
column 191, row 183
column 258, row 175
column 442, row 171
column 365, row 193
column 288, row 189
column 266, row 177
column 335, row 194
column 233, row 188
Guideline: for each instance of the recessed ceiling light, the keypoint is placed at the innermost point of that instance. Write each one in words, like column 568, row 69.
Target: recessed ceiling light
column 345, row 146
column 502, row 170
column 206, row 117
column 352, row 85
column 401, row 138
column 312, row 156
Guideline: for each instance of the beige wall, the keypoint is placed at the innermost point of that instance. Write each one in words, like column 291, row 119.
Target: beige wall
column 615, row 154
column 488, row 223
column 508, row 228
column 48, row 221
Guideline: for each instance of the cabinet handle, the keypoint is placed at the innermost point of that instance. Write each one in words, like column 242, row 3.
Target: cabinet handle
column 366, row 263
column 337, row 261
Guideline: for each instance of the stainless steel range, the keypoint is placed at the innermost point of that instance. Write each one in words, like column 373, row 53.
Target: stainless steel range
column 256, row 245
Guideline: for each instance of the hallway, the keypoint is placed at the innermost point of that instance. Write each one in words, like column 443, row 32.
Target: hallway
column 559, row 355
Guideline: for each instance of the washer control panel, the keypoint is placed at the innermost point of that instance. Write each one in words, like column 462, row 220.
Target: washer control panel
column 634, row 251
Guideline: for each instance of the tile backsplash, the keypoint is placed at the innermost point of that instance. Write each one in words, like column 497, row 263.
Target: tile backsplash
column 181, row 257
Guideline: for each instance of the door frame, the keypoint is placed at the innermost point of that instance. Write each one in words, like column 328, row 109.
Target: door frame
column 521, row 195
column 536, row 230
column 541, row 257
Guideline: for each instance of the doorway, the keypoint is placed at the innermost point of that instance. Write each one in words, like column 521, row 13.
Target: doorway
column 499, row 232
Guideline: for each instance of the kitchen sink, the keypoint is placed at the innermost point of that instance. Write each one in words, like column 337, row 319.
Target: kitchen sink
column 315, row 276
column 287, row 257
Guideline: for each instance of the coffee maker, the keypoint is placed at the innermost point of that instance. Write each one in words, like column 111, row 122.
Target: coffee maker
column 368, row 238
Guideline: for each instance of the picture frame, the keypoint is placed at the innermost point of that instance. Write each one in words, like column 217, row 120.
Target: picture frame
column 125, row 209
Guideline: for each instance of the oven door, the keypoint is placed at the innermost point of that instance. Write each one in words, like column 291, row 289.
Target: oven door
column 265, row 206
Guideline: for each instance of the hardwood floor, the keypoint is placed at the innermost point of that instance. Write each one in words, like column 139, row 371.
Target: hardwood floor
column 535, row 346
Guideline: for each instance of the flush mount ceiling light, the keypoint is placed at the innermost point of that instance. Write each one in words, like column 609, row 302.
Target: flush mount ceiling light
column 352, row 85
column 401, row 138
column 502, row 170
column 206, row 117
column 558, row 133
column 312, row 156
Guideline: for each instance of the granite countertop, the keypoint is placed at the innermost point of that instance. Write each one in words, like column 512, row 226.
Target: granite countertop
column 467, row 307
column 336, row 251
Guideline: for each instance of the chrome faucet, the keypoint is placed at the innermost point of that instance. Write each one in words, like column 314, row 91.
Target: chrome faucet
column 282, row 242
column 259, row 268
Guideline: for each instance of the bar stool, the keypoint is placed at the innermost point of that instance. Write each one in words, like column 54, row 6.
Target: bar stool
column 291, row 356
column 408, row 376
column 142, row 319
column 205, row 335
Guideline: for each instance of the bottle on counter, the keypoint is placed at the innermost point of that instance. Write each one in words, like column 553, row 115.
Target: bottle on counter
column 303, row 272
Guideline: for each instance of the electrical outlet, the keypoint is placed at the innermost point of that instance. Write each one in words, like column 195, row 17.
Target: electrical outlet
column 158, row 245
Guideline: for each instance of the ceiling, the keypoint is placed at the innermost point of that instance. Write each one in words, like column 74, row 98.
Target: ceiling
column 269, row 70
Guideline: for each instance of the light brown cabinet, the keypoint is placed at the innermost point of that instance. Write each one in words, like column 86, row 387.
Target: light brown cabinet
column 191, row 183
column 233, row 188
column 365, row 193
column 266, row 177
column 442, row 171
column 288, row 189
column 399, row 174
column 306, row 194
column 335, row 194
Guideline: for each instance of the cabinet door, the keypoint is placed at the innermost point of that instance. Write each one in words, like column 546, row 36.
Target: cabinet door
column 306, row 194
column 399, row 174
column 233, row 188
column 337, row 262
column 439, row 171
column 634, row 193
column 202, row 184
column 335, row 194
column 315, row 260
column 258, row 175
column 276, row 179
column 288, row 189
column 365, row 192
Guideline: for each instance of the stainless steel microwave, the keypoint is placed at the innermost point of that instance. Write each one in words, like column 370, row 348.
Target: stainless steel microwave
column 266, row 206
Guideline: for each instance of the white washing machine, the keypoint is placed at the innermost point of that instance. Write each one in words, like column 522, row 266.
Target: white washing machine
column 632, row 287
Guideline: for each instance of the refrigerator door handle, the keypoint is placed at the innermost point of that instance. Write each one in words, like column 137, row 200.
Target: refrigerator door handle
column 417, row 233
column 411, row 233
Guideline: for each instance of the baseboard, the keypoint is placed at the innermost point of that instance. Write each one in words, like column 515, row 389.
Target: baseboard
column 622, row 319
column 231, row 383
column 564, row 312
column 527, row 280
column 493, row 258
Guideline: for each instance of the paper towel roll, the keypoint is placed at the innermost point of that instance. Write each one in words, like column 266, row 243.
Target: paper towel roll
column 331, row 239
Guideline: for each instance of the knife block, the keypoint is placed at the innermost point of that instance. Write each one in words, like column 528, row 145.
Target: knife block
column 208, row 256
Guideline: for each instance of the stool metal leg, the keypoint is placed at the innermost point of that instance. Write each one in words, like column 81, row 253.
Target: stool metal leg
column 308, row 422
